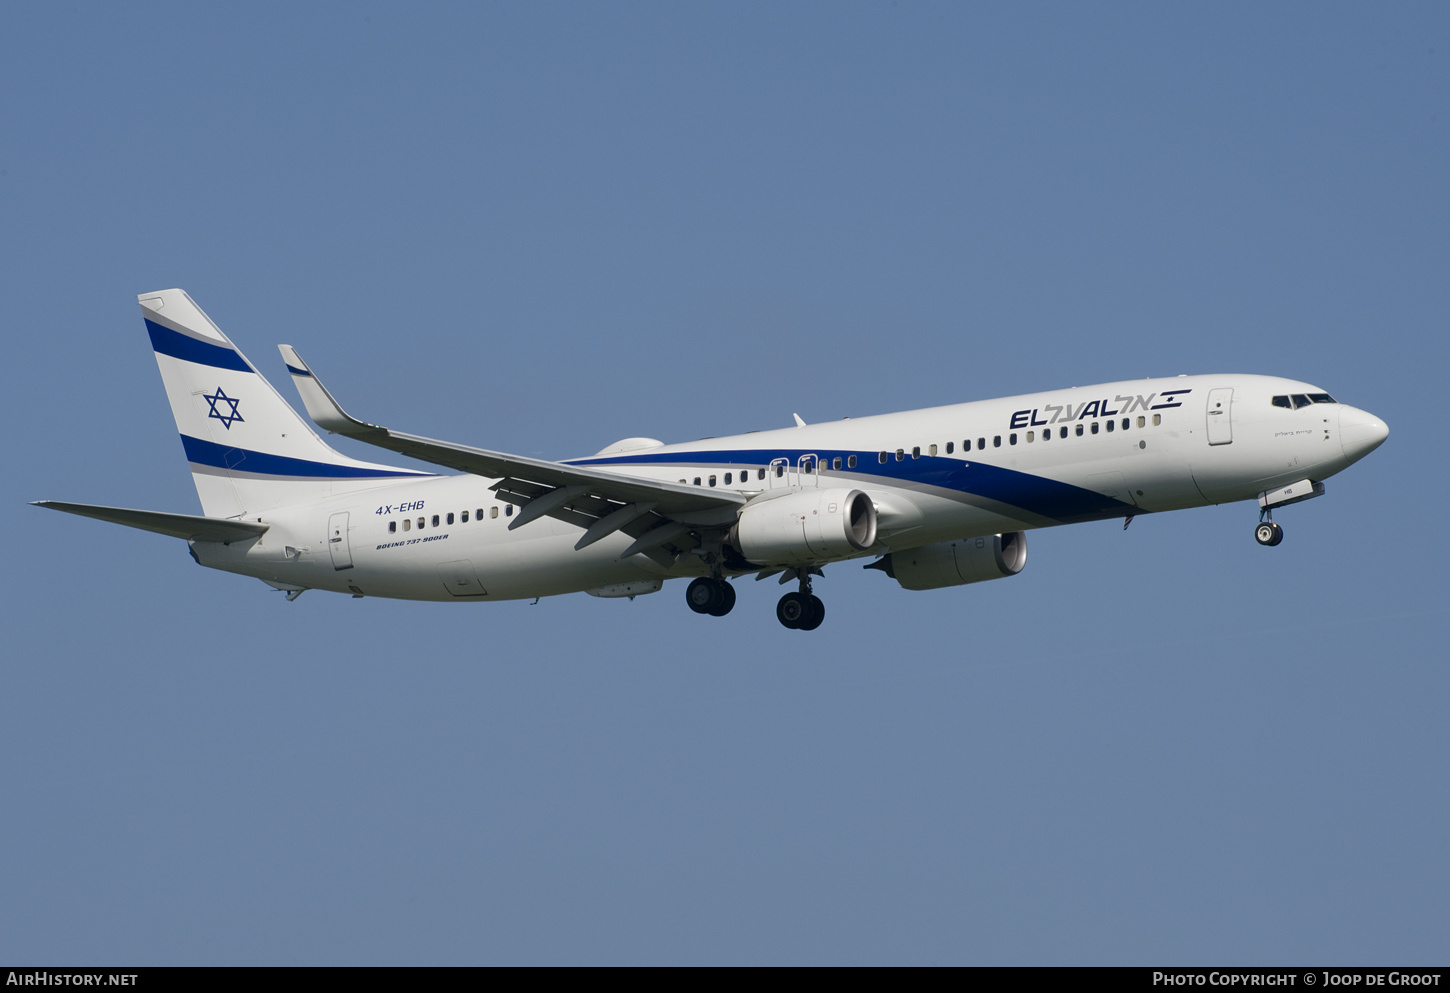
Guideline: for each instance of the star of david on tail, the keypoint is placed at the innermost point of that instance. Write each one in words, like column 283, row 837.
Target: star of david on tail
column 226, row 417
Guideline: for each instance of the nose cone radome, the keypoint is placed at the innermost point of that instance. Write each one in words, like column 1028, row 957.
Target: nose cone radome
column 1360, row 432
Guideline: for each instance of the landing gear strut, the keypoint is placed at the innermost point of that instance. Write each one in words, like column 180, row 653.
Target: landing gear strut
column 801, row 611
column 710, row 596
column 1268, row 533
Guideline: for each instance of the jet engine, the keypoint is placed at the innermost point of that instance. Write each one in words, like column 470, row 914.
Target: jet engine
column 806, row 527
column 955, row 563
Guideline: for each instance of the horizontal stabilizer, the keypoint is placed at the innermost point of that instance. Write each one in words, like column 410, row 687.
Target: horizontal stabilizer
column 175, row 525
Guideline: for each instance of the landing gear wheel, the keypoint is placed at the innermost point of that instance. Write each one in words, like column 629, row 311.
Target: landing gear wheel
column 816, row 615
column 1268, row 533
column 703, row 596
column 727, row 599
column 793, row 609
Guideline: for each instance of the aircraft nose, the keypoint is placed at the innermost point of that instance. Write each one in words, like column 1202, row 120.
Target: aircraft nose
column 1360, row 432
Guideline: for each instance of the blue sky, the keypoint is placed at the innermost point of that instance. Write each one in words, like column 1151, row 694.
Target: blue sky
column 541, row 228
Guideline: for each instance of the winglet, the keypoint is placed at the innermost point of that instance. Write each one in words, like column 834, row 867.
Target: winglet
column 798, row 422
column 325, row 411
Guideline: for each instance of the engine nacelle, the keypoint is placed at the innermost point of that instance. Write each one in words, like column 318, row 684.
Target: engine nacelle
column 806, row 527
column 955, row 563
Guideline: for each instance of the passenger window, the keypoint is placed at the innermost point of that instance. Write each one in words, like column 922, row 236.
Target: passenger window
column 1283, row 401
column 1012, row 438
column 1300, row 400
column 492, row 511
column 392, row 527
column 728, row 478
column 478, row 514
column 808, row 465
column 1079, row 430
column 1110, row 425
column 450, row 518
column 420, row 523
column 949, row 447
column 931, row 450
column 1030, row 437
column 508, row 510
column 761, row 474
column 697, row 480
column 779, row 470
column 1095, row 427
column 435, row 520
column 407, row 525
column 463, row 518
column 1140, row 420
column 712, row 480
column 997, row 441
column 1063, row 433
column 1047, row 435
column 900, row 454
column 1126, row 424
column 1321, row 398
column 982, row 443
column 916, row 452
column 1157, row 419
column 850, row 461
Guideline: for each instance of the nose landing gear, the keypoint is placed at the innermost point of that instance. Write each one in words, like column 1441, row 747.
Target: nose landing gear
column 1268, row 533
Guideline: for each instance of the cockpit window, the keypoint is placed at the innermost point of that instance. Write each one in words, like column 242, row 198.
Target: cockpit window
column 1283, row 401
column 1300, row 400
column 1321, row 398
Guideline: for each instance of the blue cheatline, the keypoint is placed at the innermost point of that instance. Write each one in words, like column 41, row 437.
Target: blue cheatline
column 1035, row 494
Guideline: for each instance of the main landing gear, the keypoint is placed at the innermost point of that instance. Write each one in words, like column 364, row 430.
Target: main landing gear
column 1268, row 533
column 801, row 611
column 710, row 596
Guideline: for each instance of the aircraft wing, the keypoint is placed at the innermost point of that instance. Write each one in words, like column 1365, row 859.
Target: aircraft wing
column 656, row 513
column 175, row 525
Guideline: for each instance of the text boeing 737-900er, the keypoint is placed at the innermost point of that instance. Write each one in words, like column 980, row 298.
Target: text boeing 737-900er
column 940, row 497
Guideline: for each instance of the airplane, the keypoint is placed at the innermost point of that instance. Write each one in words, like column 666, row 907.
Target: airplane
column 937, row 497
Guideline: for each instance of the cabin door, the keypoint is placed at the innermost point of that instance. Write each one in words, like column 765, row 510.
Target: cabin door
column 1220, row 416
column 337, row 542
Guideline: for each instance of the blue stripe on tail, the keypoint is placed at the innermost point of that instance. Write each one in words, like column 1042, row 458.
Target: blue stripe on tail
column 209, row 453
column 180, row 346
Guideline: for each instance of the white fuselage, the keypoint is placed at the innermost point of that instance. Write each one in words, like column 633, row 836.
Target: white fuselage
column 986, row 467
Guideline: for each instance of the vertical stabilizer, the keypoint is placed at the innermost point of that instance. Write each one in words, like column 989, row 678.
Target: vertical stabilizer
column 248, row 449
